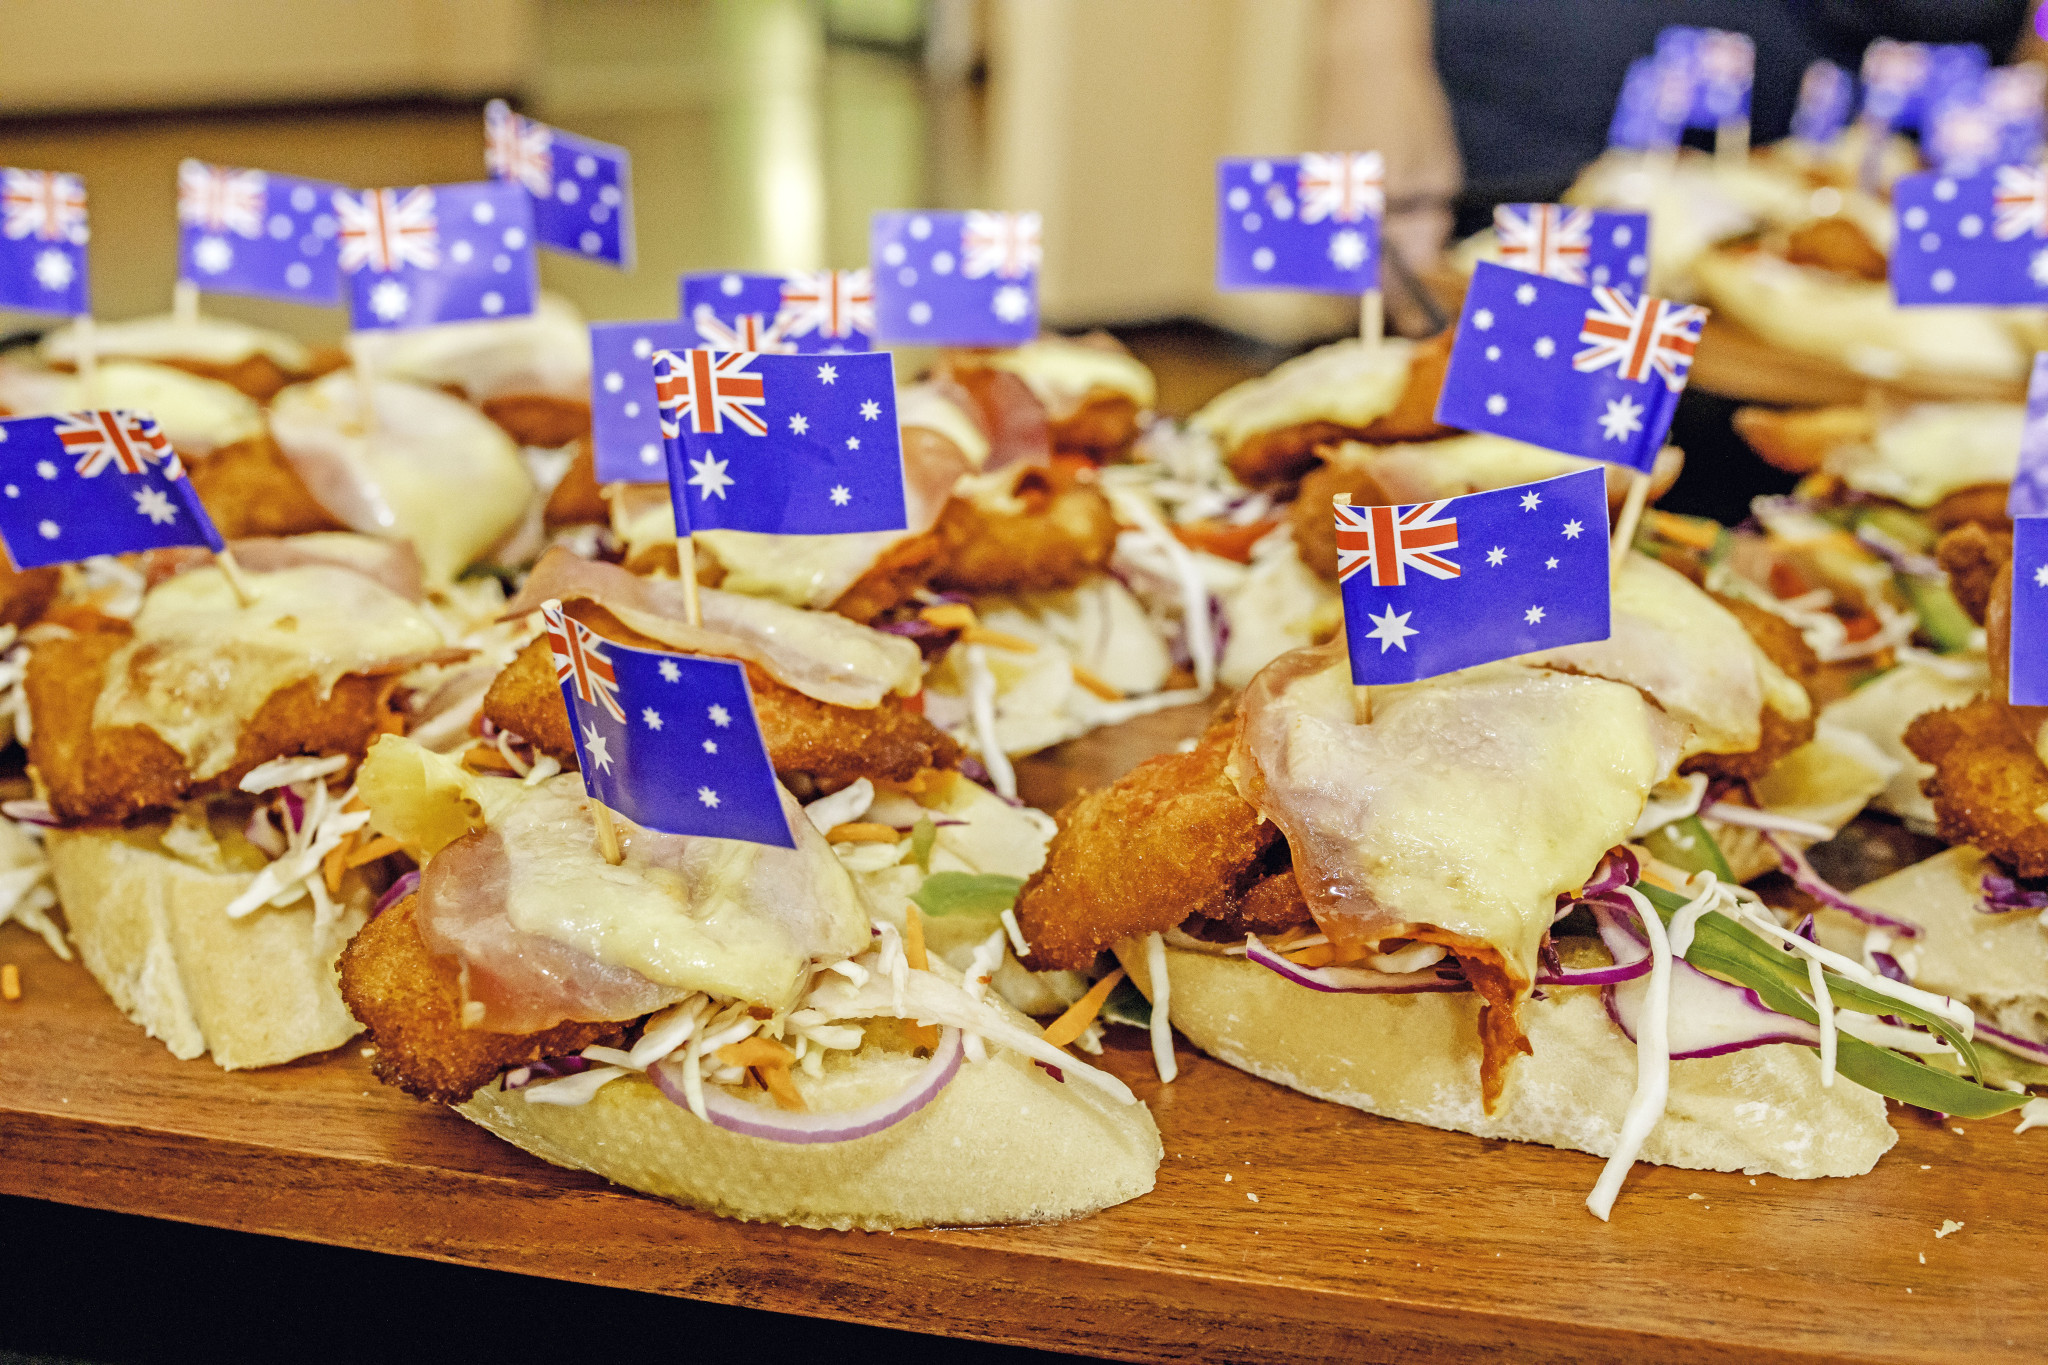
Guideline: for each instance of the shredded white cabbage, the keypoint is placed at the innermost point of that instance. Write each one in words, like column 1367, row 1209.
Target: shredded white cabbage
column 981, row 705
column 841, row 807
column 13, row 695
column 1162, row 1024
column 1653, row 1064
column 296, row 873
column 26, row 895
column 288, row 772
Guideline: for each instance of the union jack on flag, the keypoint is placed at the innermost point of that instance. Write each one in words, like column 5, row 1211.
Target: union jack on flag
column 429, row 254
column 1639, row 336
column 222, row 198
column 519, row 149
column 388, row 229
column 1342, row 187
column 2019, row 204
column 1385, row 542
column 1971, row 239
column 1545, row 239
column 42, row 242
column 129, row 441
column 708, row 388
column 1001, row 244
column 832, row 304
column 746, row 332
column 581, row 662
column 45, row 204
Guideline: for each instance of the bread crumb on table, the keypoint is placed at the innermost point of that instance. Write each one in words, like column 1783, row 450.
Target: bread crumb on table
column 1948, row 1225
column 10, row 981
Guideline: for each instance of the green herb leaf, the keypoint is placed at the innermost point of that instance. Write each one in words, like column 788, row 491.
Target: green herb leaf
column 967, row 893
column 1687, row 844
column 923, row 835
column 1127, row 1005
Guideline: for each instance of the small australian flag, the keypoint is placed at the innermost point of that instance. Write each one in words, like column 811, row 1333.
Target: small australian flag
column 1719, row 66
column 1576, row 245
column 1438, row 586
column 625, row 411
column 81, row 484
column 1826, row 95
column 580, row 190
column 670, row 741
column 2027, row 680
column 825, row 312
column 955, row 279
column 1976, row 239
column 1649, row 114
column 437, row 253
column 2028, row 495
column 1902, row 82
column 1588, row 371
column 795, row 445
column 255, row 232
column 1310, row 223
column 42, row 242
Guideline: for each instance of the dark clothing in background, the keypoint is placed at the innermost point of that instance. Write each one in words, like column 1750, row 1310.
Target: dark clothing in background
column 1532, row 83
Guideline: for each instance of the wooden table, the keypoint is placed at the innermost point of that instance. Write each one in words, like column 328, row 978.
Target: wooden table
column 1367, row 1240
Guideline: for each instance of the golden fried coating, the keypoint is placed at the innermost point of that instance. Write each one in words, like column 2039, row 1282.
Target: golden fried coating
column 1169, row 839
column 895, row 576
column 1972, row 556
column 1839, row 245
column 1797, row 440
column 411, row 1002
column 1315, row 528
column 1102, row 427
column 1987, row 782
column 832, row 745
column 576, row 498
column 107, row 775
column 25, row 594
column 1286, row 453
column 1983, row 504
column 1064, row 533
column 539, row 419
column 250, row 489
column 1782, row 643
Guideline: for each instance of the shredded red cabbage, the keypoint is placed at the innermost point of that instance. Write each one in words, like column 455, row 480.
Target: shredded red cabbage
column 400, row 889
column 546, row 1069
column 1806, row 879
column 2003, row 895
column 2018, row 1046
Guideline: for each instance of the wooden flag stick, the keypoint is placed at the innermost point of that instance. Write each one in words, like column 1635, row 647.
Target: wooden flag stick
column 1631, row 514
column 1361, row 695
column 366, row 405
column 1731, row 141
column 686, row 565
column 185, row 303
column 1372, row 317
column 231, row 569
column 607, row 833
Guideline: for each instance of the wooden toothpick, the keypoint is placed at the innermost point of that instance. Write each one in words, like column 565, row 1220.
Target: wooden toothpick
column 1631, row 513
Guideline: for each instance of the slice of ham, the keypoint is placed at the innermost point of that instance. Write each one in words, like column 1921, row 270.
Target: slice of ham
column 1007, row 411
column 821, row 655
column 394, row 564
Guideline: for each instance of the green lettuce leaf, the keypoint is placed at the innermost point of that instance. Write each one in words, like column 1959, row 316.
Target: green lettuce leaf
column 967, row 893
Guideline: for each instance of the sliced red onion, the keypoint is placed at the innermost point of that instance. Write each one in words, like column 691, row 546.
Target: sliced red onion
column 2017, row 1046
column 1618, row 868
column 1888, row 967
column 262, row 833
column 294, row 809
column 1806, row 879
column 400, row 889
column 546, row 1069
column 1353, row 980
column 1709, row 1017
column 775, row 1125
column 1999, row 895
column 1906, row 561
column 1749, row 817
column 30, row 813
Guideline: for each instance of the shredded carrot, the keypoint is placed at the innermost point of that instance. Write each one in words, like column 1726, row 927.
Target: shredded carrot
column 1321, row 955
column 769, row 1061
column 381, row 846
column 10, row 981
column 1786, row 582
column 861, row 832
column 1222, row 538
column 1082, row 1012
column 933, row 782
column 950, row 616
column 913, row 940
column 1106, row 691
column 391, row 723
column 1001, row 639
column 1700, row 534
column 485, row 758
column 1861, row 626
column 776, row 1081
column 333, row 865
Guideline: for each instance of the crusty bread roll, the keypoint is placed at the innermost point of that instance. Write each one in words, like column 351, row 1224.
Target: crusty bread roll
column 153, row 929
column 1003, row 1143
column 1416, row 1058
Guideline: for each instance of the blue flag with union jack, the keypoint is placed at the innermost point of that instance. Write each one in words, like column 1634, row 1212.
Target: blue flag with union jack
column 1826, row 95
column 1980, row 239
column 1438, row 586
column 826, row 312
column 254, row 232
column 1650, row 112
column 42, row 242
column 670, row 741
column 797, row 445
column 1995, row 120
column 1588, row 371
column 1718, row 68
column 1310, row 222
column 1576, row 245
column 2027, row 675
column 437, row 253
column 625, row 411
column 1902, row 82
column 81, row 484
column 955, row 279
column 2028, row 494
column 580, row 190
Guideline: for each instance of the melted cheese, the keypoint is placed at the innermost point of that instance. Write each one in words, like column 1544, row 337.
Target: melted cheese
column 1934, row 449
column 801, row 571
column 1469, row 803
column 1346, row 382
column 736, row 920
column 199, row 415
column 1061, row 372
column 922, row 405
column 435, row 471
column 207, row 339
column 546, row 352
column 200, row 664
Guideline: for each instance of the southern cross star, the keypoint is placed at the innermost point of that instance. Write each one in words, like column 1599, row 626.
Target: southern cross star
column 1391, row 631
column 710, row 477
column 1624, row 418
column 594, row 745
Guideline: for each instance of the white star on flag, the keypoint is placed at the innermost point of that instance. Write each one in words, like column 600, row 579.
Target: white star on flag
column 1391, row 631
column 2037, row 267
column 389, row 300
column 594, row 745
column 1347, row 250
column 710, row 477
column 1526, row 294
column 45, row 469
column 1495, row 556
column 1011, row 303
column 53, row 270
column 1497, row 404
column 212, row 254
column 1533, row 616
column 1530, row 502
column 798, row 425
column 841, row 495
column 2041, row 577
column 708, row 797
column 826, row 374
column 1550, row 563
column 870, row 410
column 154, row 504
column 1572, row 529
column 853, row 443
column 1545, row 348
column 670, row 672
column 710, row 746
column 1624, row 419
column 719, row 716
column 652, row 717
column 47, row 529
column 1483, row 319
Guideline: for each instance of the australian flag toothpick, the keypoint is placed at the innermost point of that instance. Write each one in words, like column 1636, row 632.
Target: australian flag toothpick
column 42, row 242
column 1718, row 67
column 580, row 190
column 1576, row 245
column 255, row 232
column 2028, row 494
column 1979, row 239
column 824, row 312
column 1587, row 371
column 1309, row 223
column 437, row 253
column 1826, row 95
column 955, row 279
column 2027, row 675
column 670, row 741
column 1439, row 586
column 1650, row 112
column 784, row 444
column 625, row 411
column 81, row 484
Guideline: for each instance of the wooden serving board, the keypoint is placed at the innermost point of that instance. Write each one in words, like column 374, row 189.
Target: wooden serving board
column 1282, row 1229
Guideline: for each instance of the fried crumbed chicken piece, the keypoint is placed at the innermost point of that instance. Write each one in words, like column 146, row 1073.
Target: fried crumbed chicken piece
column 895, row 576
column 833, row 745
column 577, row 499
column 1315, row 528
column 1168, row 840
column 250, row 489
column 1064, row 532
column 256, row 375
column 1839, row 245
column 1972, row 555
column 1987, row 782
column 1781, row 641
column 1286, row 453
column 539, row 419
column 1982, row 504
column 411, row 1002
column 25, row 594
column 1797, row 440
column 107, row 775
